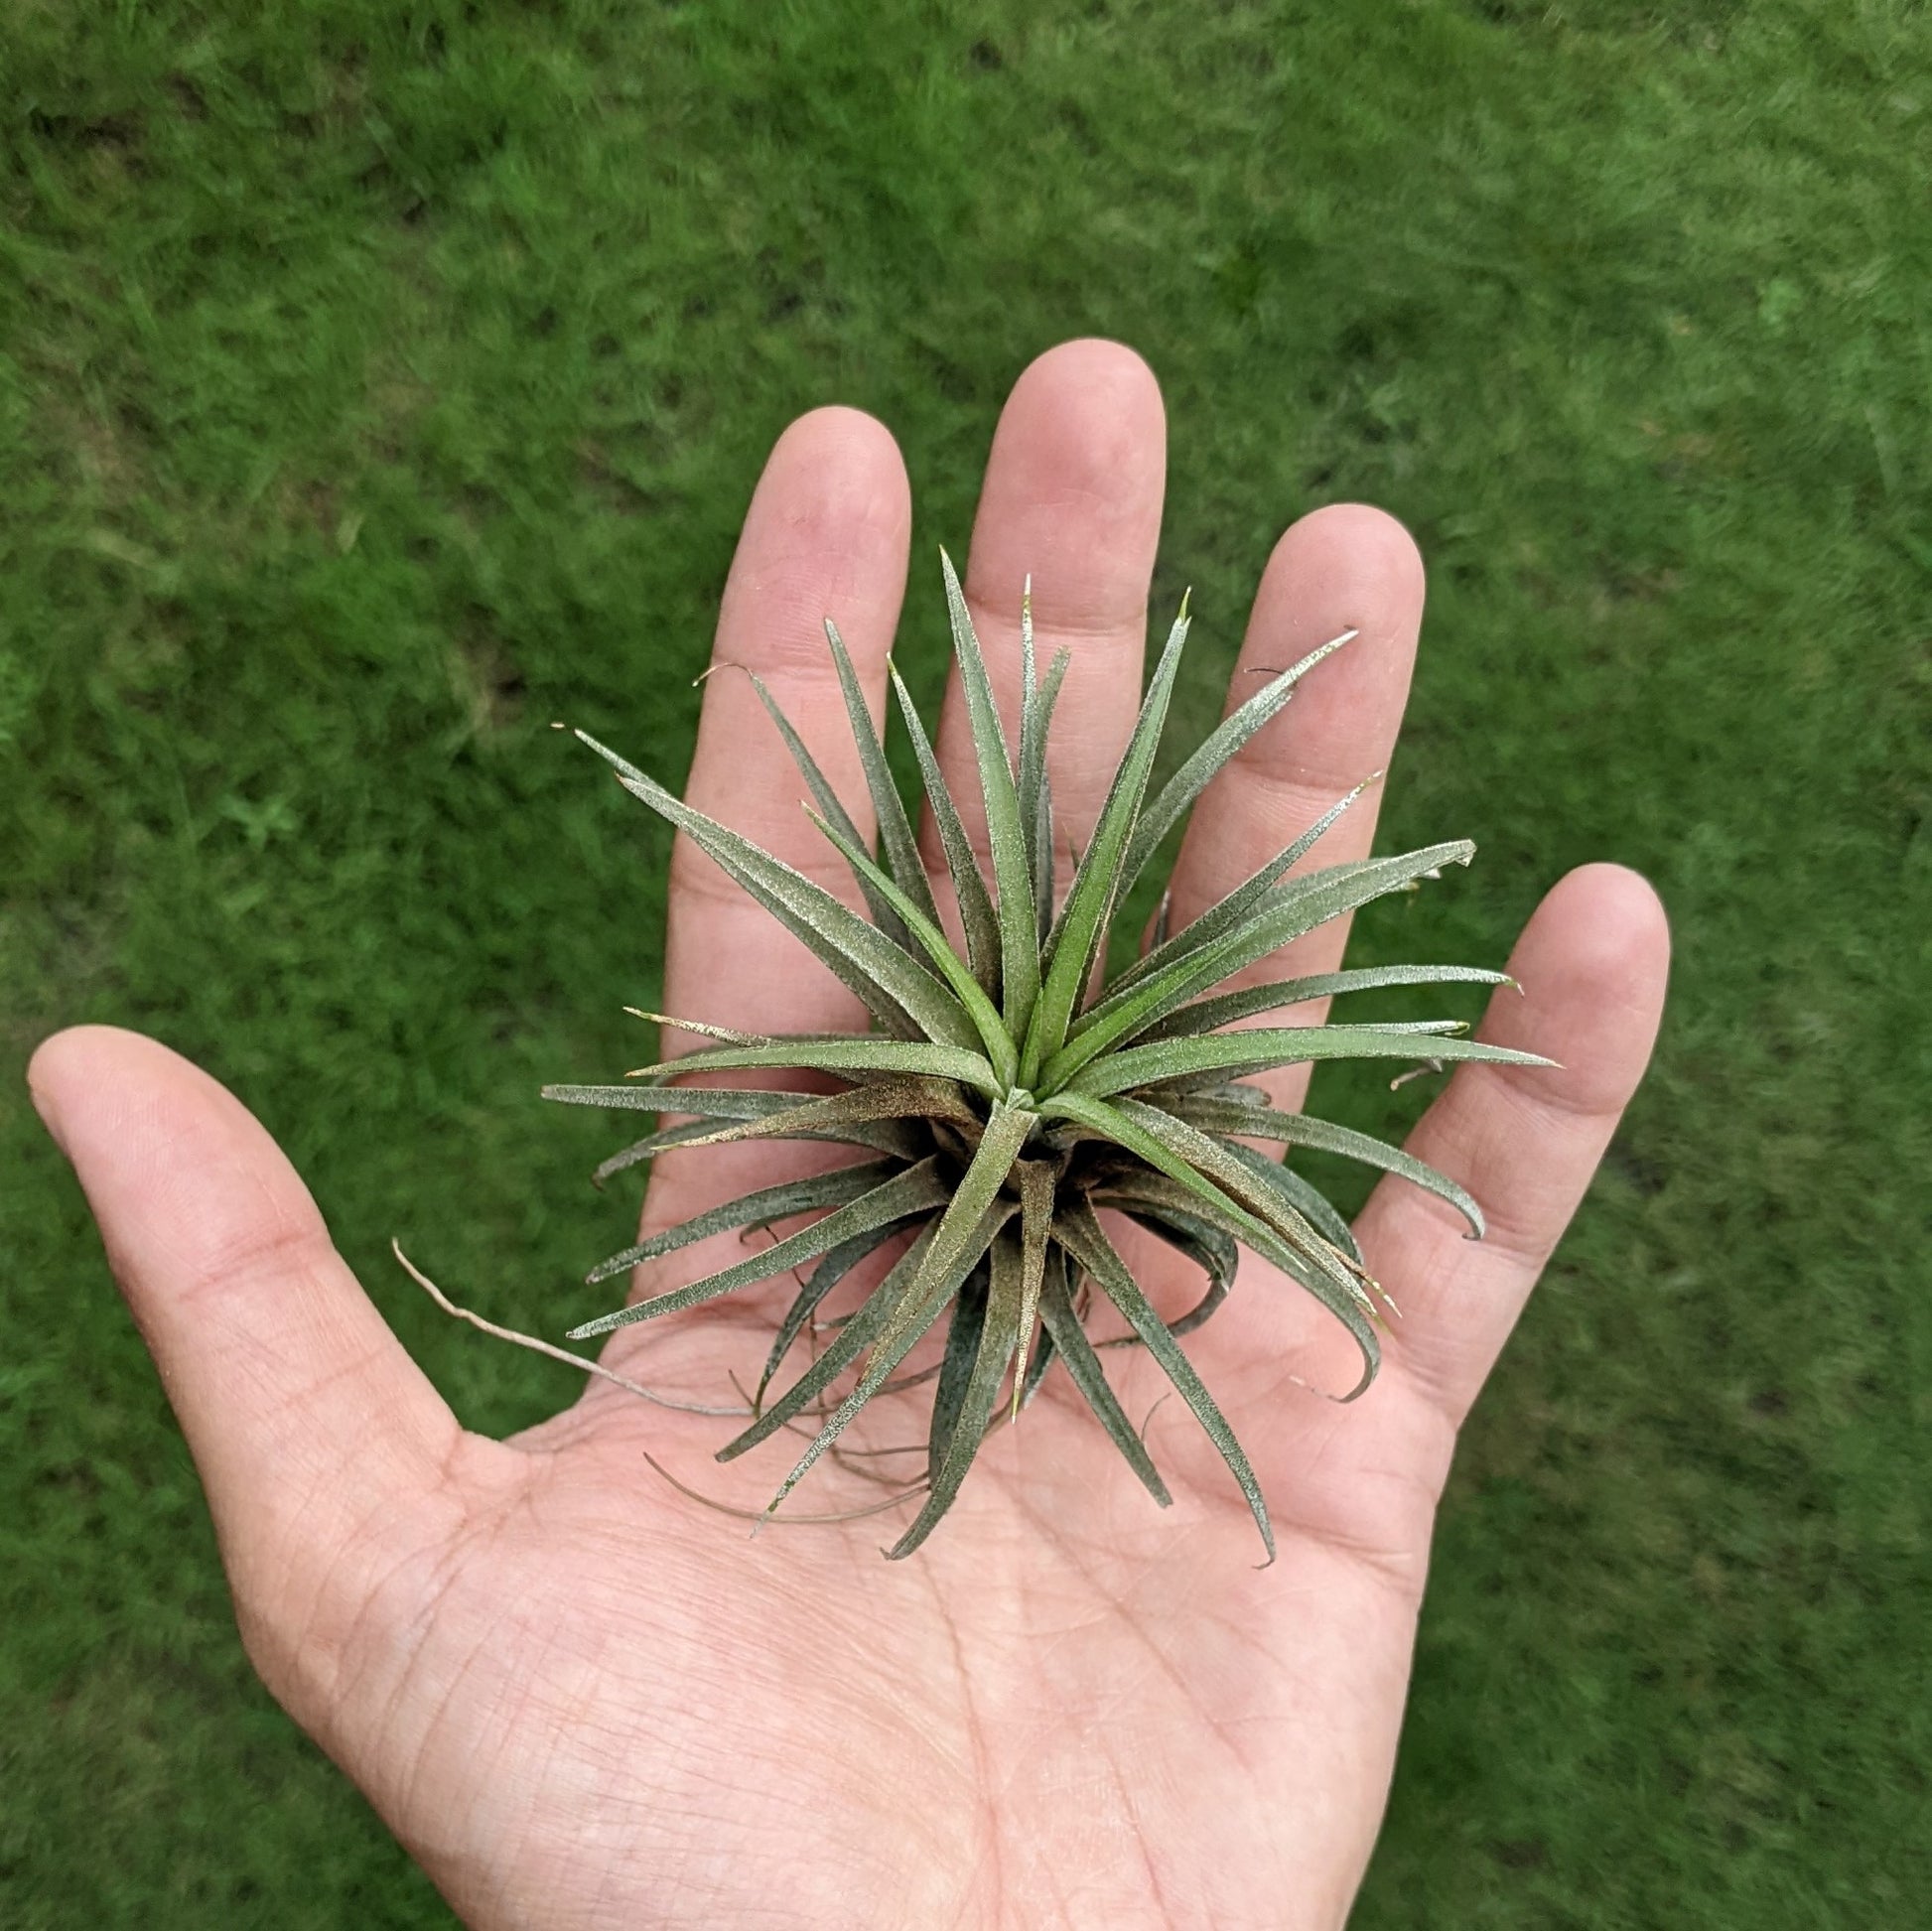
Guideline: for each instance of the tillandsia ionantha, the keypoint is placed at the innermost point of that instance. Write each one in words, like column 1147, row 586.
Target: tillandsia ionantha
column 1006, row 1096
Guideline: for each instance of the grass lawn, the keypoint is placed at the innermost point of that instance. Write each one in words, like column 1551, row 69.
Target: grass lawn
column 379, row 382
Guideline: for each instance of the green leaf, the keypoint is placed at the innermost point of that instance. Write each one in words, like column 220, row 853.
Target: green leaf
column 1090, row 901
column 1286, row 913
column 912, row 1190
column 1285, row 1235
column 1041, row 859
column 1081, row 1235
column 997, row 1327
column 729, row 1036
column 979, row 1186
column 1019, row 940
column 1215, row 752
column 885, row 1134
column 756, row 1208
column 863, row 1117
column 981, row 1009
column 1302, row 1258
column 855, row 1056
column 1209, row 1248
column 1263, row 1049
column 712, row 1102
column 976, row 913
column 851, row 1116
column 828, row 799
column 1301, row 1129
column 833, row 1267
column 1237, row 906
column 1036, row 1227
column 1035, row 801
column 856, row 1334
column 1045, row 1354
column 917, row 1308
column 1209, row 1015
column 1305, row 1199
column 893, row 985
column 896, row 837
column 965, row 1329
column 1069, row 1341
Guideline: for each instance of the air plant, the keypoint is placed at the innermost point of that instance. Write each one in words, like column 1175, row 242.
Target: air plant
column 1006, row 1097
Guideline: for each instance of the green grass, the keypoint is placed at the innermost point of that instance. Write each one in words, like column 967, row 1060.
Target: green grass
column 379, row 382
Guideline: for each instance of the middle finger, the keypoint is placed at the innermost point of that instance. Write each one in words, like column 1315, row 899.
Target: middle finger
column 1073, row 496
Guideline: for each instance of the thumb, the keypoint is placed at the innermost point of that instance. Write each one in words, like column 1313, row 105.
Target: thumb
column 307, row 1419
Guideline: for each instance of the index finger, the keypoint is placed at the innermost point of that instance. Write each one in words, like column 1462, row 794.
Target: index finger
column 825, row 535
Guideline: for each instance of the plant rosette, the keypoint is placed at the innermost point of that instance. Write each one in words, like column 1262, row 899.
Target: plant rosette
column 1007, row 1096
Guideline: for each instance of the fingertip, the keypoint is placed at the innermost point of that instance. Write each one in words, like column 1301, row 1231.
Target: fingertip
column 839, row 471
column 1609, row 927
column 826, row 535
column 87, row 1071
column 1084, row 421
column 1378, row 548
column 1099, row 368
column 1624, row 900
column 1349, row 566
column 1593, row 962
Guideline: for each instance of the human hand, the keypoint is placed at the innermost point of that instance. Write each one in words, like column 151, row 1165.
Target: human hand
column 581, row 1701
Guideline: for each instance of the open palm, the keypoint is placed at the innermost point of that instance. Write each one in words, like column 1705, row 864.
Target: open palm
column 581, row 1700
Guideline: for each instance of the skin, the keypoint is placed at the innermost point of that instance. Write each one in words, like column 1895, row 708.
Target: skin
column 581, row 1700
